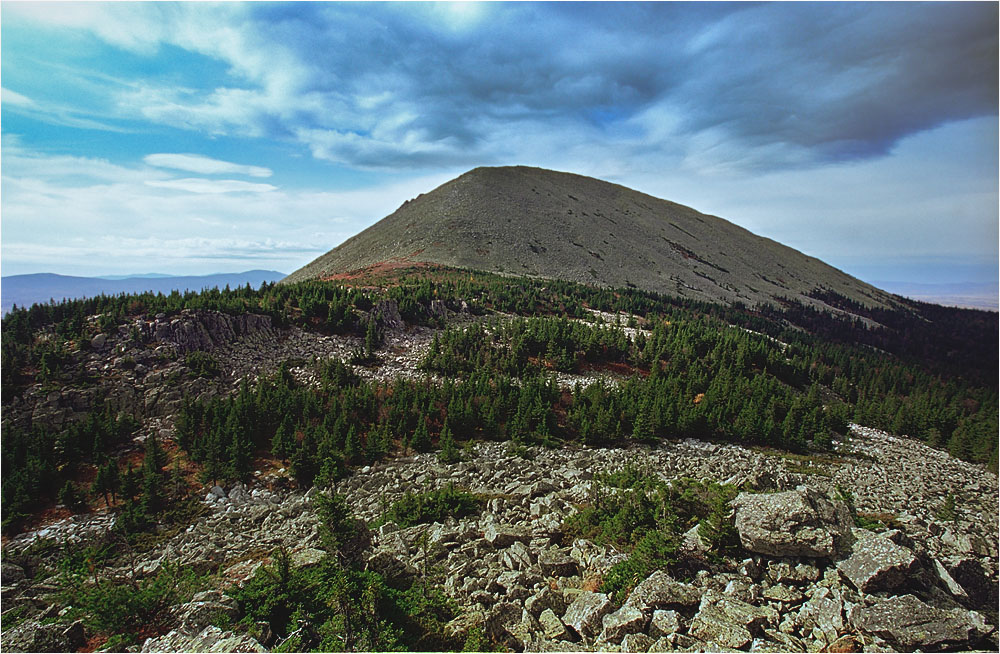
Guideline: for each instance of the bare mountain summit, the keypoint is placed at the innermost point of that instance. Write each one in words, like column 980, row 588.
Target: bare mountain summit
column 535, row 222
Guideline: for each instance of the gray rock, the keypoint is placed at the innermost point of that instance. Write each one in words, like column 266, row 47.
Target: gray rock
column 501, row 620
column 729, row 622
column 307, row 557
column 636, row 643
column 782, row 572
column 801, row 522
column 386, row 316
column 523, row 633
column 693, row 543
column 661, row 591
column 665, row 623
column 980, row 587
column 552, row 627
column 626, row 620
column 790, row 643
column 909, row 624
column 388, row 528
column 554, row 563
column 584, row 616
column 876, row 563
column 822, row 616
column 98, row 342
column 209, row 639
column 501, row 536
column 203, row 609
column 516, row 557
column 11, row 573
column 32, row 636
column 390, row 566
column 783, row 594
column 949, row 582
column 546, row 599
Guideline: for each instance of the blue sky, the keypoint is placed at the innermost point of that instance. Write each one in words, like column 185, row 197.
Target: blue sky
column 194, row 138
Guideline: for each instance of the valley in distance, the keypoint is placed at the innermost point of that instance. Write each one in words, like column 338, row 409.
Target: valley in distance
column 527, row 411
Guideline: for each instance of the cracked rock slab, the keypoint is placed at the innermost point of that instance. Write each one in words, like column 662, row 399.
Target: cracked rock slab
column 584, row 616
column 877, row 563
column 908, row 623
column 800, row 522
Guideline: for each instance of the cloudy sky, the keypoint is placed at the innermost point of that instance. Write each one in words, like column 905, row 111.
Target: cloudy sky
column 196, row 138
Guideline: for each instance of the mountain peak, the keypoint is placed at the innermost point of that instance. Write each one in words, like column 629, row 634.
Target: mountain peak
column 542, row 223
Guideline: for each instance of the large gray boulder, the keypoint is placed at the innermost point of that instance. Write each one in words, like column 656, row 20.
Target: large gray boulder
column 876, row 563
column 584, row 616
column 11, row 573
column 661, row 591
column 907, row 624
column 555, row 563
column 503, row 536
column 729, row 622
column 624, row 621
column 544, row 599
column 800, row 522
column 665, row 623
column 636, row 643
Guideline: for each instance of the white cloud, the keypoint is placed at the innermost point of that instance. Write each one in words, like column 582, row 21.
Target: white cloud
column 86, row 216
column 201, row 185
column 197, row 163
column 9, row 97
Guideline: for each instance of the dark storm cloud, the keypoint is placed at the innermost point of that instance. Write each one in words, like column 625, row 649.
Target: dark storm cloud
column 413, row 85
column 844, row 81
column 819, row 82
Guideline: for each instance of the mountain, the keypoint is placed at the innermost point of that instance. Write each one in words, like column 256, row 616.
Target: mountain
column 535, row 222
column 25, row 290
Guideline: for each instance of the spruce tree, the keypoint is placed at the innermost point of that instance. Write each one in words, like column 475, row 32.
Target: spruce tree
column 449, row 452
column 283, row 442
column 421, row 440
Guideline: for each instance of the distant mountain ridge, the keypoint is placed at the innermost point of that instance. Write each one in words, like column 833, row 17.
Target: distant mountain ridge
column 25, row 290
column 535, row 222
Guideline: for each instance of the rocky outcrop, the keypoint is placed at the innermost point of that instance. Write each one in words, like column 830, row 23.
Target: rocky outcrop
column 201, row 330
column 385, row 313
column 801, row 522
column 907, row 624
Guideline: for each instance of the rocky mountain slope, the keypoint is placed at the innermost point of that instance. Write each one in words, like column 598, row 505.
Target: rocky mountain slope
column 809, row 579
column 919, row 575
column 536, row 222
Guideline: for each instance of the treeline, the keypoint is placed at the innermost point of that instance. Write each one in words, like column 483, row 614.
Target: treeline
column 929, row 372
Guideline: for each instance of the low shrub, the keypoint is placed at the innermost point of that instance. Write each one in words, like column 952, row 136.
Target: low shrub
column 202, row 364
column 433, row 506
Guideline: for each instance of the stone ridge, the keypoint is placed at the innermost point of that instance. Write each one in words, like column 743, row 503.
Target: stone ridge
column 541, row 223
